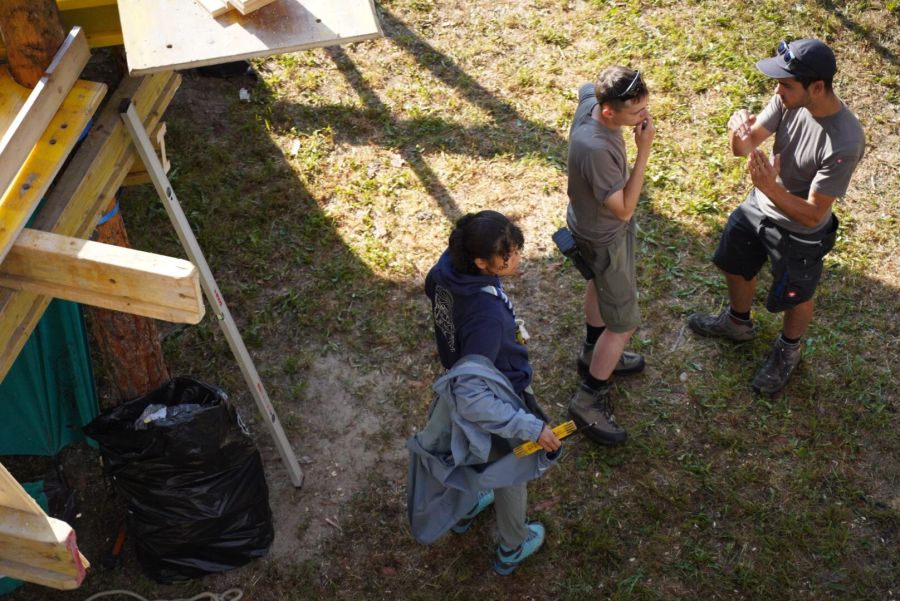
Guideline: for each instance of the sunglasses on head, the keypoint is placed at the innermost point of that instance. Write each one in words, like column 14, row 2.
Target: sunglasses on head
column 632, row 90
column 793, row 63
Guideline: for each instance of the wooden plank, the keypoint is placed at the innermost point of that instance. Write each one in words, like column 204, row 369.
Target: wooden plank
column 81, row 193
column 33, row 117
column 13, row 496
column 12, row 98
column 138, row 174
column 99, row 22
column 174, row 34
column 216, row 8
column 104, row 275
column 34, row 547
column 66, row 5
column 46, row 159
column 248, row 6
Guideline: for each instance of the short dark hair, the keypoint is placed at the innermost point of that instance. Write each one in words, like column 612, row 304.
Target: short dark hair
column 483, row 235
column 808, row 81
column 613, row 82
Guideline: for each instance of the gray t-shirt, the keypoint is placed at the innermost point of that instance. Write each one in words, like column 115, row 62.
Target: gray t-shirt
column 816, row 154
column 597, row 168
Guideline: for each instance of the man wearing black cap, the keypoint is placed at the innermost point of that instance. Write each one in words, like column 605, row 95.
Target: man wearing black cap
column 787, row 216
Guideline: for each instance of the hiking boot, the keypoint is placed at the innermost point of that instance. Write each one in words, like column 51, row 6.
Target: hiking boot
column 722, row 326
column 485, row 498
column 629, row 363
column 509, row 559
column 772, row 376
column 595, row 407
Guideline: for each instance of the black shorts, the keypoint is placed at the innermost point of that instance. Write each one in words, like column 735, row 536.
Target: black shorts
column 796, row 259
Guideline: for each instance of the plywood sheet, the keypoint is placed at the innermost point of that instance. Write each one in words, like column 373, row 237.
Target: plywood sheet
column 164, row 35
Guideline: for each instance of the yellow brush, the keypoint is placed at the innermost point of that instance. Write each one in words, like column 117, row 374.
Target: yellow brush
column 527, row 448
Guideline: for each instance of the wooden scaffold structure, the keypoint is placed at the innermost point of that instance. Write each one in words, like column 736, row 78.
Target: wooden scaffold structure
column 44, row 109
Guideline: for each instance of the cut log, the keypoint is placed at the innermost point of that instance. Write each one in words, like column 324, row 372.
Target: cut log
column 128, row 345
column 98, row 18
column 33, row 33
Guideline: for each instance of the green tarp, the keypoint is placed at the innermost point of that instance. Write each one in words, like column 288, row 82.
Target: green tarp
column 49, row 392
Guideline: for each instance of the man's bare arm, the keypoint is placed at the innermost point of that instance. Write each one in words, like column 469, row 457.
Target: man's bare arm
column 808, row 212
column 623, row 203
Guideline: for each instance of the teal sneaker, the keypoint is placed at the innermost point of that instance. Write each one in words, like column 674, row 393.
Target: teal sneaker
column 509, row 559
column 485, row 498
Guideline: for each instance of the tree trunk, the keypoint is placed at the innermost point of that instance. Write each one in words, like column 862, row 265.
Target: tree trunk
column 128, row 344
column 32, row 33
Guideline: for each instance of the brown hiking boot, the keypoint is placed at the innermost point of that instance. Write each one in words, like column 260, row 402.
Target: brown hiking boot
column 594, row 408
column 722, row 325
column 776, row 372
column 629, row 363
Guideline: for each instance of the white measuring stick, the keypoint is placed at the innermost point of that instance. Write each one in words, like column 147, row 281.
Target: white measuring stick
column 210, row 289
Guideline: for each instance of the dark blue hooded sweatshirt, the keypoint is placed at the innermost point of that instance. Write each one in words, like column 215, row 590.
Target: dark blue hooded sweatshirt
column 469, row 320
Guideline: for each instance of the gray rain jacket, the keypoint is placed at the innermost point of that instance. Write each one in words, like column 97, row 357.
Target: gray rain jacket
column 448, row 459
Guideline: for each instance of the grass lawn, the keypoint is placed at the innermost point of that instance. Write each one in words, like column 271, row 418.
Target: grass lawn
column 323, row 202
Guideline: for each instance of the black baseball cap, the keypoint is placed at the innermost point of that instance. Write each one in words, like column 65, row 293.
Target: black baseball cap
column 800, row 58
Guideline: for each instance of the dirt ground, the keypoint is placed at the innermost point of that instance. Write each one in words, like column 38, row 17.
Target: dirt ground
column 347, row 444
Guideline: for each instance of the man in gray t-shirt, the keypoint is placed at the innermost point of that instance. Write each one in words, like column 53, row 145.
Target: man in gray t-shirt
column 787, row 217
column 603, row 196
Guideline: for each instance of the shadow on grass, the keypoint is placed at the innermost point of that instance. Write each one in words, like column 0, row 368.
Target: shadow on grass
column 509, row 134
column 859, row 30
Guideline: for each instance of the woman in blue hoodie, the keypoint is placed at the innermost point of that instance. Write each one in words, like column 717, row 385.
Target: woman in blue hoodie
column 474, row 316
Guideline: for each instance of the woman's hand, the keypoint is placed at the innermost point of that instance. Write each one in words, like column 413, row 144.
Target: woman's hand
column 548, row 440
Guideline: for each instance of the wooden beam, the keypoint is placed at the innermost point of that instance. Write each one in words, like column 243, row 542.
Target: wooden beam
column 13, row 496
column 104, row 275
column 216, row 8
column 248, row 6
column 34, row 547
column 138, row 174
column 45, row 99
column 87, row 186
column 46, row 159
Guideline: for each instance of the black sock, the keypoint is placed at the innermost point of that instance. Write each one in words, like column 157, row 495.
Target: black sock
column 744, row 316
column 791, row 341
column 595, row 384
column 593, row 333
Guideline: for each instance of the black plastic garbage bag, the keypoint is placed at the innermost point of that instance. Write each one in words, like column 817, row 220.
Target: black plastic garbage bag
column 191, row 478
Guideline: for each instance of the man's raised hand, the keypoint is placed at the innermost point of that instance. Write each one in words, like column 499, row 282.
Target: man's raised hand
column 740, row 123
column 643, row 134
